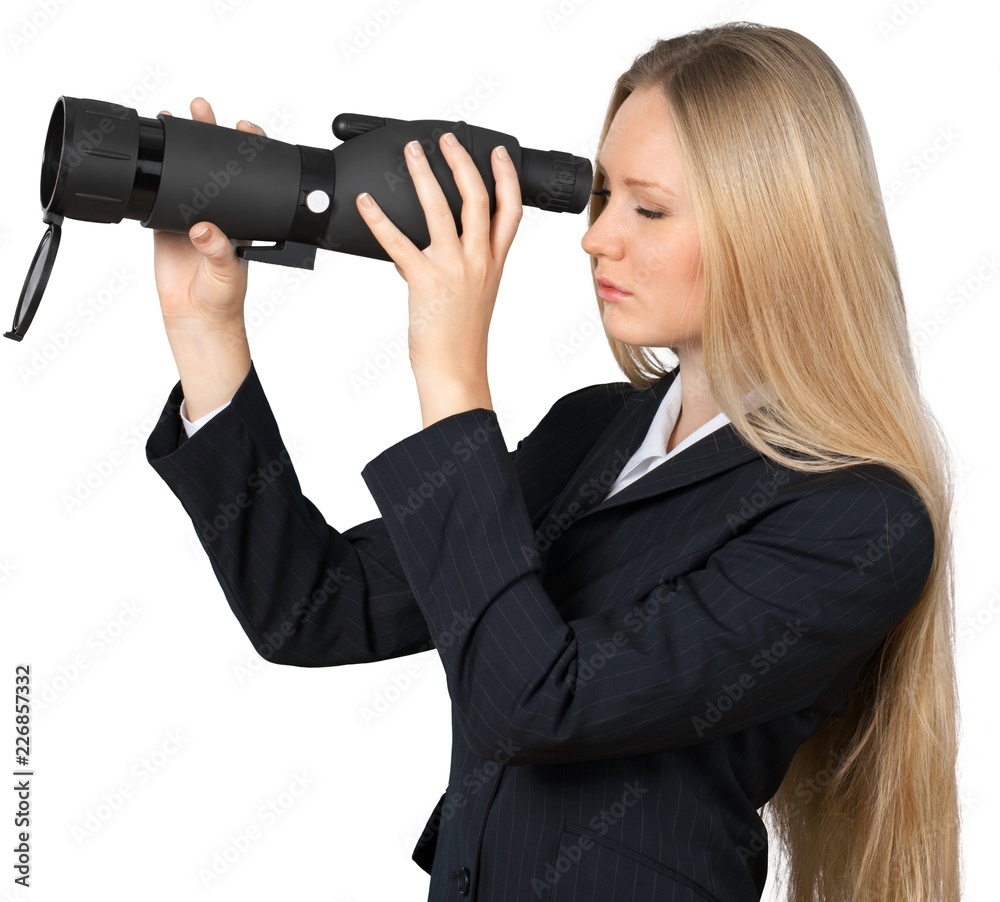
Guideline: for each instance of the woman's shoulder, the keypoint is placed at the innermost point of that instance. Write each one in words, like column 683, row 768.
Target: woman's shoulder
column 577, row 419
column 600, row 394
column 611, row 396
column 864, row 477
column 868, row 506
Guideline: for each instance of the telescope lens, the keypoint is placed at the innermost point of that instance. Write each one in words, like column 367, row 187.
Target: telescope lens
column 55, row 139
column 37, row 278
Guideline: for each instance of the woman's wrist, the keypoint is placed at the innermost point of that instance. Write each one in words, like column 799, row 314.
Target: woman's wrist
column 212, row 361
column 200, row 325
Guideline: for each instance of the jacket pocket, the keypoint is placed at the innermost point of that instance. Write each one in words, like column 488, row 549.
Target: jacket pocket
column 600, row 868
column 423, row 851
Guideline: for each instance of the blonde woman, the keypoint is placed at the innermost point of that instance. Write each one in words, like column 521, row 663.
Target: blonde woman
column 683, row 604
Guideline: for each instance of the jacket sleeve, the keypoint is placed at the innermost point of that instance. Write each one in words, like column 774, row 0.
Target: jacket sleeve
column 757, row 633
column 304, row 593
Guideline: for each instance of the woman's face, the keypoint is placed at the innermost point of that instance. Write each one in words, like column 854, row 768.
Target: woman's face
column 645, row 240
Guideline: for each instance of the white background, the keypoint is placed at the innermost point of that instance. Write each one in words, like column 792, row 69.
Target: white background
column 331, row 356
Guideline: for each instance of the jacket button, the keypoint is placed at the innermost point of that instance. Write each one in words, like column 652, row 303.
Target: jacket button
column 463, row 882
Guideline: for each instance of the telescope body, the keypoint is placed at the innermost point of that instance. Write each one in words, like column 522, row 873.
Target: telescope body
column 105, row 163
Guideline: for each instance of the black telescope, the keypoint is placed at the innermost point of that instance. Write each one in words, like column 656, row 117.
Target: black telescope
column 103, row 162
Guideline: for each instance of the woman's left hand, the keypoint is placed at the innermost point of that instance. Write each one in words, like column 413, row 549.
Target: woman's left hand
column 453, row 282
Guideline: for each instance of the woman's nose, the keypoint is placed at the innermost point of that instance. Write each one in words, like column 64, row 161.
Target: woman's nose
column 600, row 240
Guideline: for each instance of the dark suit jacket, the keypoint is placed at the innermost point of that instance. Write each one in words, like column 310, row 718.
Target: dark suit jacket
column 629, row 677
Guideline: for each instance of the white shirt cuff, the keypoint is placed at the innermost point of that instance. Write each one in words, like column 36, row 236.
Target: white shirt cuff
column 191, row 428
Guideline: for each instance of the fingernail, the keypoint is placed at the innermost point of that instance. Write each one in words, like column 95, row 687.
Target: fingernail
column 502, row 152
column 252, row 124
column 449, row 138
column 201, row 235
column 366, row 200
column 414, row 149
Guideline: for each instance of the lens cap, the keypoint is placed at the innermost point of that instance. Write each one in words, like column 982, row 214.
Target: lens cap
column 37, row 278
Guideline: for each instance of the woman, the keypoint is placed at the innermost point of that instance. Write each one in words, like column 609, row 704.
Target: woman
column 676, row 605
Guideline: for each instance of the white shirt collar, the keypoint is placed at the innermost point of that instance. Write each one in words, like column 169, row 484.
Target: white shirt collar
column 652, row 451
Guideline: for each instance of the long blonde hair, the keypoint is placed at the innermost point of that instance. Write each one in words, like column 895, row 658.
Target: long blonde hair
column 802, row 301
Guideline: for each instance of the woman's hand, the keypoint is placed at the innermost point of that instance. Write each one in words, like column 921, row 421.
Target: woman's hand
column 453, row 282
column 200, row 280
column 202, row 285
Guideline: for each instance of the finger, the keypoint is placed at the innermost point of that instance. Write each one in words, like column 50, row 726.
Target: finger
column 245, row 125
column 440, row 220
column 400, row 249
column 212, row 242
column 475, row 198
column 201, row 110
column 509, row 205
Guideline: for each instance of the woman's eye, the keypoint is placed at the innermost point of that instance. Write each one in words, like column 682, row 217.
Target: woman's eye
column 649, row 214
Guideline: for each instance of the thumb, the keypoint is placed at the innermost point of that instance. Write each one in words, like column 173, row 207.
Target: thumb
column 215, row 247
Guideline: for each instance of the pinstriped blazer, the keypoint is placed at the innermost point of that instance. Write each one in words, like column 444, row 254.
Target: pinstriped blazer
column 629, row 676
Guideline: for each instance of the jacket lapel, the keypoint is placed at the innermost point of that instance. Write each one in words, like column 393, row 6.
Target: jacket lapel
column 586, row 490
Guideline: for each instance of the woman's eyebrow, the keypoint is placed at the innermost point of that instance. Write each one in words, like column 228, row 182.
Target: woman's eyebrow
column 634, row 182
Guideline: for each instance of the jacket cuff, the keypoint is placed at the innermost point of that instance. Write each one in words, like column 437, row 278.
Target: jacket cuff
column 454, row 509
column 172, row 453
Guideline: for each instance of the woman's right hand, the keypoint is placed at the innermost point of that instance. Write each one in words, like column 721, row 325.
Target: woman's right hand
column 201, row 281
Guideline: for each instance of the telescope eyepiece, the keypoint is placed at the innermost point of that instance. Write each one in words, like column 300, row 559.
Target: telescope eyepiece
column 556, row 181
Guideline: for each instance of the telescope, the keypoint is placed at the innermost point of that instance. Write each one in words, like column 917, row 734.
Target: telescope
column 102, row 162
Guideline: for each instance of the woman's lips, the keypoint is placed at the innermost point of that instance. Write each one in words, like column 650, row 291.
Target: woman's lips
column 607, row 292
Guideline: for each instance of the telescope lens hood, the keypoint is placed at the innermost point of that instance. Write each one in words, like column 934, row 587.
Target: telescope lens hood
column 89, row 164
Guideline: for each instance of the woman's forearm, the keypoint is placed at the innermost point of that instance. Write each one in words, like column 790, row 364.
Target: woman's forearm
column 212, row 362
